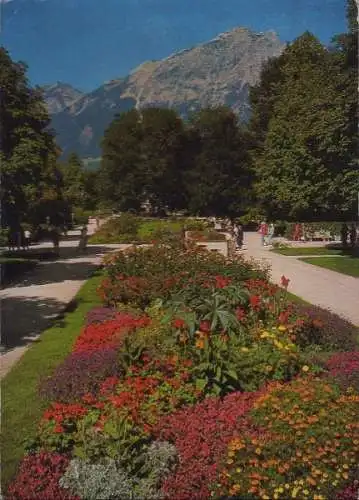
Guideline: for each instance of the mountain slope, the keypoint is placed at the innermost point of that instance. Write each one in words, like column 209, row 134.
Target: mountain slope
column 59, row 96
column 214, row 73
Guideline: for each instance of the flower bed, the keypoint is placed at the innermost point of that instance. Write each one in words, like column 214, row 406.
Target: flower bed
column 203, row 386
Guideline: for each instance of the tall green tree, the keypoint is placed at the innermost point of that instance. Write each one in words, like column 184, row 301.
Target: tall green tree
column 29, row 178
column 218, row 181
column 346, row 55
column 74, row 179
column 141, row 159
column 304, row 169
column 262, row 98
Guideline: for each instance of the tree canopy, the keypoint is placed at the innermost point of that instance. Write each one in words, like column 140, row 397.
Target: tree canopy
column 305, row 134
column 30, row 180
column 155, row 156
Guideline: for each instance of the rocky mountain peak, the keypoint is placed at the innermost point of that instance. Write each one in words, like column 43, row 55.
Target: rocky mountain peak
column 217, row 72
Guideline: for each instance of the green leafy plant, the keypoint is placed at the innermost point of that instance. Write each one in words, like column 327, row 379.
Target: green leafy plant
column 131, row 352
column 97, row 481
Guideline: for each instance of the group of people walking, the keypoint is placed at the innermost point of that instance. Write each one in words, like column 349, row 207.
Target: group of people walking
column 233, row 227
column 22, row 240
column 19, row 240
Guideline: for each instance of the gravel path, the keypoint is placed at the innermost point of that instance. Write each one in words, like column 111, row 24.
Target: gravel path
column 29, row 306
column 328, row 289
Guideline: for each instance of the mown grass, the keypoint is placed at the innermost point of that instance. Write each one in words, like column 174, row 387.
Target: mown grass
column 21, row 405
column 345, row 265
column 292, row 251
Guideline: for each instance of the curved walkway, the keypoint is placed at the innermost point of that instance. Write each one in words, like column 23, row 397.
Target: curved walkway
column 28, row 307
column 328, row 289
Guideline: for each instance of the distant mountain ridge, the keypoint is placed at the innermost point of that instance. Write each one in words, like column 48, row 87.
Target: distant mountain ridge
column 60, row 95
column 218, row 72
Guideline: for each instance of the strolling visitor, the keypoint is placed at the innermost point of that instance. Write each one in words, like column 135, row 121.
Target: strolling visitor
column 353, row 235
column 271, row 230
column 344, row 235
column 27, row 235
column 56, row 241
column 11, row 241
column 83, row 239
column 263, row 231
column 18, row 240
column 239, row 235
column 217, row 225
column 297, row 236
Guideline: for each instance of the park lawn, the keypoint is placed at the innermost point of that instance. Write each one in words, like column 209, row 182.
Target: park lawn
column 22, row 407
column 345, row 265
column 291, row 251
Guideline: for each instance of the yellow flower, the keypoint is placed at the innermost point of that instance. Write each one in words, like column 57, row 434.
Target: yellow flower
column 305, row 368
column 235, row 488
column 282, row 328
column 200, row 344
column 278, row 344
column 295, row 492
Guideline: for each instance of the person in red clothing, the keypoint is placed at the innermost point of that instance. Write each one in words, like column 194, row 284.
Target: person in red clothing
column 297, row 236
column 263, row 231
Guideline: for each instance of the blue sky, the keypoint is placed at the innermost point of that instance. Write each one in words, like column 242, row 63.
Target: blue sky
column 86, row 42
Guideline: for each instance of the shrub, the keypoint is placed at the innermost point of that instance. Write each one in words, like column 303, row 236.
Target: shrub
column 141, row 275
column 97, row 481
column 201, row 434
column 79, row 374
column 119, row 420
column 108, row 480
column 100, row 314
column 349, row 492
column 324, row 328
column 206, row 236
column 38, row 478
column 309, row 443
column 343, row 367
column 157, row 338
column 122, row 229
column 109, row 333
column 159, row 460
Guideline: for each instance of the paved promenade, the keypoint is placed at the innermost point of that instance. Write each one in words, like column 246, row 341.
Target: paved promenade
column 328, row 289
column 29, row 306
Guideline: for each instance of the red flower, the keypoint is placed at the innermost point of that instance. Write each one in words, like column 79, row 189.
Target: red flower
column 284, row 282
column 179, row 323
column 255, row 301
column 240, row 314
column 108, row 333
column 222, row 282
column 283, row 317
column 38, row 477
column 205, row 326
